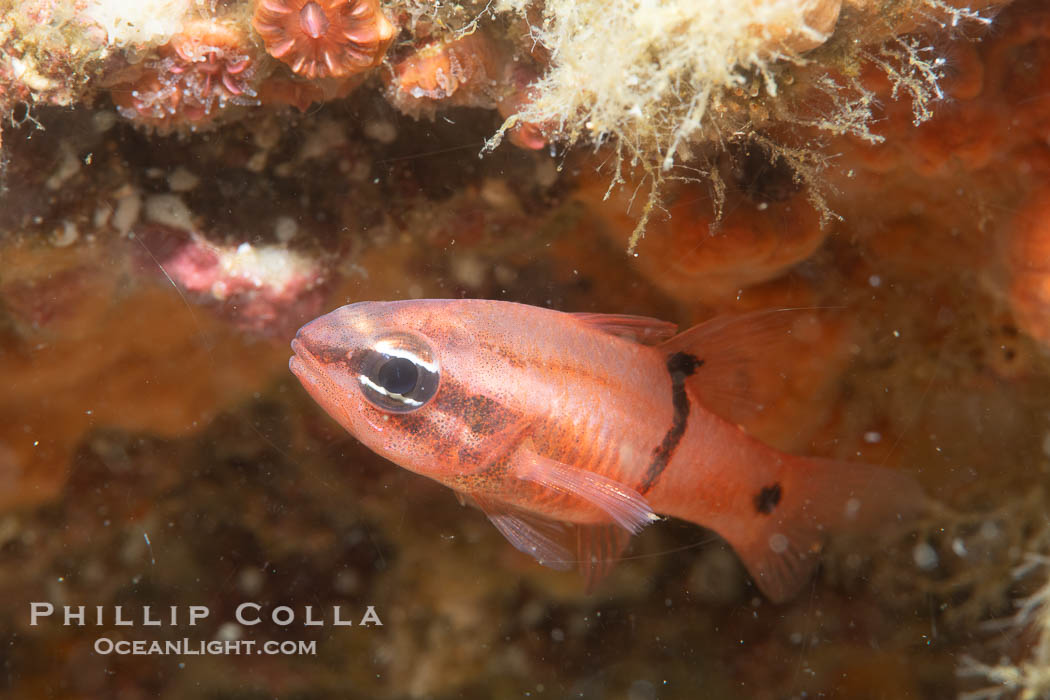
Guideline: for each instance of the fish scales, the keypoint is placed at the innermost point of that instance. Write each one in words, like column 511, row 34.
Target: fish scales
column 574, row 391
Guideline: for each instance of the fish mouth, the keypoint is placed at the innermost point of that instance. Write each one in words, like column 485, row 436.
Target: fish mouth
column 306, row 366
column 295, row 362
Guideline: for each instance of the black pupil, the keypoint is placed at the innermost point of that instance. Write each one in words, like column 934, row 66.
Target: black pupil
column 398, row 375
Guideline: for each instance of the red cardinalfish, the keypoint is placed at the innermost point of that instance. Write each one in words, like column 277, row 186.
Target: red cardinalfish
column 572, row 431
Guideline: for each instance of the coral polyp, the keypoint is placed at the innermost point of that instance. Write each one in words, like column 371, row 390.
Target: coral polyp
column 202, row 71
column 472, row 70
column 324, row 38
column 215, row 54
column 460, row 72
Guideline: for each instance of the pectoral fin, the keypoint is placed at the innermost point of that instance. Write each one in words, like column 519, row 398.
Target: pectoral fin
column 623, row 504
column 531, row 534
column 598, row 547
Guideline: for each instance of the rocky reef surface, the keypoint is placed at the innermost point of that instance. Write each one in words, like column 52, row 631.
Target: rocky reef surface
column 183, row 183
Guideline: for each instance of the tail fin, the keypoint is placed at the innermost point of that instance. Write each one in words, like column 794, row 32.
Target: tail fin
column 783, row 530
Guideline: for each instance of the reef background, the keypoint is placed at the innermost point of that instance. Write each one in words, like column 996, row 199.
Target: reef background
column 154, row 450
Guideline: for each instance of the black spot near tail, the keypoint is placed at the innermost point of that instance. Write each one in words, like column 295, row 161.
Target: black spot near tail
column 767, row 499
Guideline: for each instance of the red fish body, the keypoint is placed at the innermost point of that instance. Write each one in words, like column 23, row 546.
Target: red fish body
column 572, row 431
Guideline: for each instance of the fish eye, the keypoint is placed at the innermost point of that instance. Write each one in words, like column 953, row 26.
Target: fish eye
column 399, row 373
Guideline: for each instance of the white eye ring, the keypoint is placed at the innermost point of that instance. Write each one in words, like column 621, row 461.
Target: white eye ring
column 380, row 390
column 392, row 348
column 399, row 373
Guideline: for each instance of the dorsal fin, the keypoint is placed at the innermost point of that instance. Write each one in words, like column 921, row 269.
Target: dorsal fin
column 640, row 329
column 752, row 360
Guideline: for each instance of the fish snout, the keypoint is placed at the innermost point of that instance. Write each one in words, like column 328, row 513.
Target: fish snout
column 325, row 339
column 336, row 335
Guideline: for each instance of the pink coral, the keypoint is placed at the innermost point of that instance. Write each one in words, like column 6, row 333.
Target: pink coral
column 263, row 289
column 200, row 73
column 324, row 38
column 215, row 56
column 468, row 71
column 459, row 72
